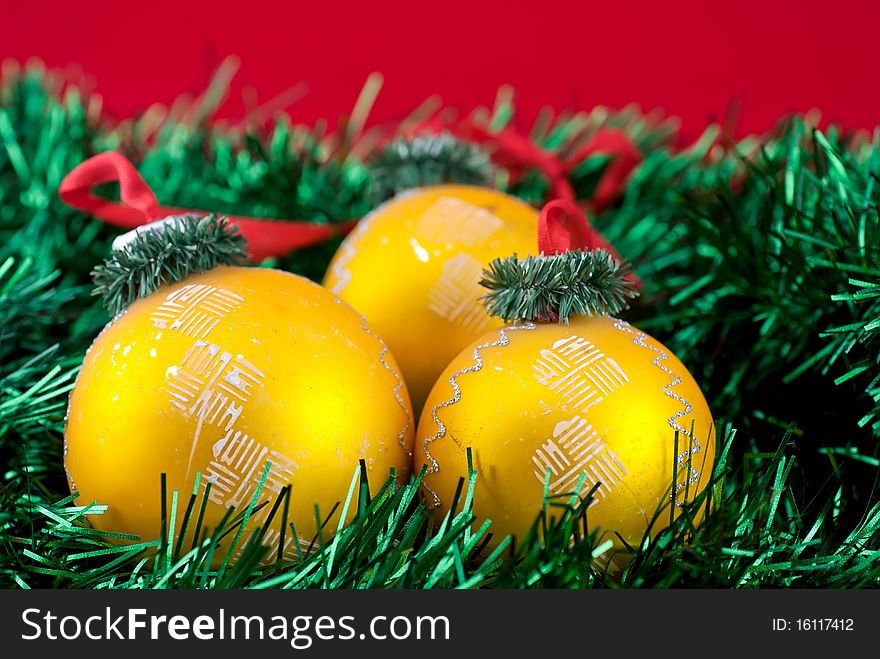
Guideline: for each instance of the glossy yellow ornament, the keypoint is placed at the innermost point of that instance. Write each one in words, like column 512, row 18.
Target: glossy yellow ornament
column 221, row 375
column 413, row 266
column 597, row 397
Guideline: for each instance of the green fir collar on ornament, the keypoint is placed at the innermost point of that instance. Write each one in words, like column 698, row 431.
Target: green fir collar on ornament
column 427, row 160
column 555, row 287
column 163, row 252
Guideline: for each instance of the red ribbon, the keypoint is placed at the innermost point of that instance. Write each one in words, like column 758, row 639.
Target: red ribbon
column 265, row 237
column 625, row 156
column 562, row 226
column 517, row 154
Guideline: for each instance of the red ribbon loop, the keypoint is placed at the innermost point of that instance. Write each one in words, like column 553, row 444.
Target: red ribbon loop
column 139, row 204
column 518, row 154
column 625, row 156
column 265, row 237
column 562, row 227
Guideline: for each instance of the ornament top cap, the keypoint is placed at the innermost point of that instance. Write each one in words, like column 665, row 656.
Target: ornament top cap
column 164, row 252
column 550, row 288
column 425, row 160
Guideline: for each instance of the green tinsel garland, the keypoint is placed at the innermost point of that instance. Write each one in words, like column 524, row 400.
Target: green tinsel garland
column 761, row 270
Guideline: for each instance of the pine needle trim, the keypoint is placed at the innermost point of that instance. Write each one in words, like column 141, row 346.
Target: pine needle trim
column 427, row 160
column 156, row 258
column 541, row 288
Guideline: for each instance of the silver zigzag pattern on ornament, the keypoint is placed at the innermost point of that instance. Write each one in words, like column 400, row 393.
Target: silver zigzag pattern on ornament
column 685, row 458
column 401, row 436
column 502, row 341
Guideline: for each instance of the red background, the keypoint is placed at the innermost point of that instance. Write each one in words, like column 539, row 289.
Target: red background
column 768, row 57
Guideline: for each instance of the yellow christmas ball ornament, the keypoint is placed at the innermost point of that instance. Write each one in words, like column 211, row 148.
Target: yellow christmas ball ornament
column 237, row 374
column 412, row 267
column 591, row 405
